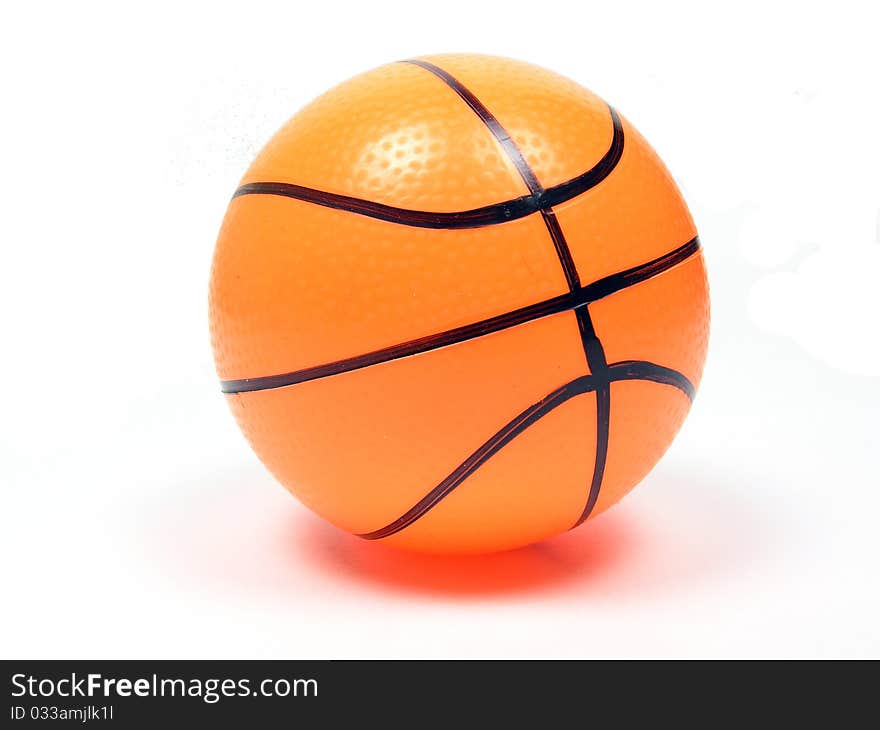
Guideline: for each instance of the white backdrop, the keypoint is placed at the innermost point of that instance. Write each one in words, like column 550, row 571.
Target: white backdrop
column 137, row 523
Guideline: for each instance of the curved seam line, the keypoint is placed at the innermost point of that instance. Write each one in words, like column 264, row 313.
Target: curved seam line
column 487, row 215
column 625, row 370
column 593, row 292
column 590, row 342
column 490, row 121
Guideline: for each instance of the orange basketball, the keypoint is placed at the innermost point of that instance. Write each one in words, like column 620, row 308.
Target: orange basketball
column 458, row 304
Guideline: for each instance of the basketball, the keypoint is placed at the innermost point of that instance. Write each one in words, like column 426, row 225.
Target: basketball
column 458, row 304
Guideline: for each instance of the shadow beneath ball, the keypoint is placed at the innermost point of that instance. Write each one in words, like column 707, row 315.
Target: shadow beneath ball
column 239, row 532
column 680, row 530
column 578, row 555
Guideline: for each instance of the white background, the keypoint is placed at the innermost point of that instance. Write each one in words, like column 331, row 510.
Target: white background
column 137, row 523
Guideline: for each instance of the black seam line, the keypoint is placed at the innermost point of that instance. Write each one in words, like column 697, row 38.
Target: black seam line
column 574, row 300
column 593, row 350
column 624, row 370
column 563, row 252
column 603, row 427
column 525, row 171
column 596, row 362
column 628, row 370
column 642, row 370
column 490, row 120
column 592, row 347
column 488, row 215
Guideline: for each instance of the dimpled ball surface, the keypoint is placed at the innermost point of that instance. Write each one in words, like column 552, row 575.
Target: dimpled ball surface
column 484, row 377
